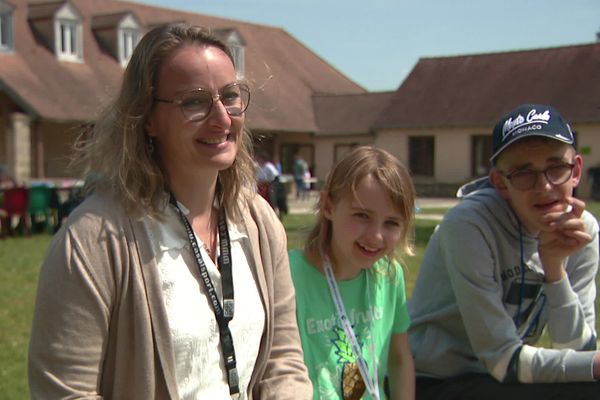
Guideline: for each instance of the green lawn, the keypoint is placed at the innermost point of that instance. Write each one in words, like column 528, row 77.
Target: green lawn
column 20, row 259
column 594, row 208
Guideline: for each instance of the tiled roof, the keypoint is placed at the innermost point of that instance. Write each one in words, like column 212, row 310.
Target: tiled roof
column 351, row 114
column 282, row 72
column 475, row 90
column 108, row 20
column 43, row 9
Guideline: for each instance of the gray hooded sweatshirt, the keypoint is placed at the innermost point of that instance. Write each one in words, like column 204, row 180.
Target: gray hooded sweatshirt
column 480, row 302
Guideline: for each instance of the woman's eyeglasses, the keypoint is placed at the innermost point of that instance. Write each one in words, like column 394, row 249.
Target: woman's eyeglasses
column 196, row 104
column 526, row 179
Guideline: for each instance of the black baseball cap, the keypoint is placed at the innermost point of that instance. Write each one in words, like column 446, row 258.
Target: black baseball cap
column 529, row 120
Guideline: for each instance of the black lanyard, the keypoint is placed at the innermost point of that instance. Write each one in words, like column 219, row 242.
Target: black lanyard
column 224, row 313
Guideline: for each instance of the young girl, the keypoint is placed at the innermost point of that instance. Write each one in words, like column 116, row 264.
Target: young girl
column 351, row 303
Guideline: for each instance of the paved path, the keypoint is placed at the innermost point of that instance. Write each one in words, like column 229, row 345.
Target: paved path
column 434, row 202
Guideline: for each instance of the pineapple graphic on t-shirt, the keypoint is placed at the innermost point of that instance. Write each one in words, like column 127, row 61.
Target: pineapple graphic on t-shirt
column 353, row 385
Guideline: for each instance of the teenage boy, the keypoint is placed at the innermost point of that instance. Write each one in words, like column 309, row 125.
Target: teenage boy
column 518, row 254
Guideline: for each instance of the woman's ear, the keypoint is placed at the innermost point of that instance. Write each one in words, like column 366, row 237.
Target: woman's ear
column 499, row 183
column 148, row 130
column 149, row 126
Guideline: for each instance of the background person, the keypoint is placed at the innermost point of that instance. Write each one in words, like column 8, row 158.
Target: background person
column 365, row 214
column 300, row 173
column 138, row 288
column 518, row 254
column 6, row 180
column 269, row 183
column 266, row 172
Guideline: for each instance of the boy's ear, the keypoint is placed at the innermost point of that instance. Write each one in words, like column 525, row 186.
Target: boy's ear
column 497, row 180
column 577, row 170
column 326, row 206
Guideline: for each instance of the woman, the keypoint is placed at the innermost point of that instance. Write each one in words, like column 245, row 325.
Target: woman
column 136, row 294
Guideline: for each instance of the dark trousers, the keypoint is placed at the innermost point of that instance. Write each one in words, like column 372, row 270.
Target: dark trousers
column 484, row 387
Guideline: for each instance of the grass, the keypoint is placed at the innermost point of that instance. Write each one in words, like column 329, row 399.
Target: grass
column 432, row 210
column 297, row 227
column 20, row 260
column 594, row 208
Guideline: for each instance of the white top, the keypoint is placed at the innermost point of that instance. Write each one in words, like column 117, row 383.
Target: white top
column 200, row 369
column 267, row 172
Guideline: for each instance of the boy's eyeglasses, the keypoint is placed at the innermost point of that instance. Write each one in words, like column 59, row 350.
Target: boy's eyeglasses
column 526, row 179
column 196, row 104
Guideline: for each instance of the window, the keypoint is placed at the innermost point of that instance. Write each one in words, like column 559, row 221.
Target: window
column 6, row 34
column 421, row 154
column 238, row 59
column 236, row 44
column 481, row 151
column 128, row 39
column 68, row 41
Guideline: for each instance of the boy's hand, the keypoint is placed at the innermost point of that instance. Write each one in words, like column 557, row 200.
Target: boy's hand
column 563, row 234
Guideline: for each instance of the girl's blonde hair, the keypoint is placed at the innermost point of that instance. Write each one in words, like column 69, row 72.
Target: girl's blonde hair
column 343, row 180
column 114, row 152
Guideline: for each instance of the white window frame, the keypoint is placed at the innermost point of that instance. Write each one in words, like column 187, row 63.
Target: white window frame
column 68, row 40
column 6, row 30
column 128, row 39
column 238, row 53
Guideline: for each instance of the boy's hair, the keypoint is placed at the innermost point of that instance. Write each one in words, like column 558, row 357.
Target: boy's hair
column 345, row 177
column 114, row 151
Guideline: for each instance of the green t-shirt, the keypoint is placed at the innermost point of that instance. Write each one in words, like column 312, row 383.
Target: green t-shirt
column 375, row 303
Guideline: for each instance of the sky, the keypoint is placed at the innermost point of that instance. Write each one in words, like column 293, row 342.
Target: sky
column 376, row 43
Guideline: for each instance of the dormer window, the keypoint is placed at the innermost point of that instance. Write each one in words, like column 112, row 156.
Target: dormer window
column 128, row 39
column 6, row 28
column 239, row 58
column 68, row 34
column 118, row 34
column 236, row 44
column 58, row 26
column 68, row 41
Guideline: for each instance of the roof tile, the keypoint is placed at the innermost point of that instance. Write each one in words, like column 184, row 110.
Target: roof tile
column 475, row 90
column 282, row 72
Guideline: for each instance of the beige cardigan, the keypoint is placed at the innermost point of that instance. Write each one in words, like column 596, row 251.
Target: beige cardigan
column 100, row 329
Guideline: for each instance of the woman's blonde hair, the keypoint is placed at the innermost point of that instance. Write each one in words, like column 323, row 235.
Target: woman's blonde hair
column 343, row 180
column 114, row 152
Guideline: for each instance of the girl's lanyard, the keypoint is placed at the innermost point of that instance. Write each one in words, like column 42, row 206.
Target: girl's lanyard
column 223, row 314
column 371, row 384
